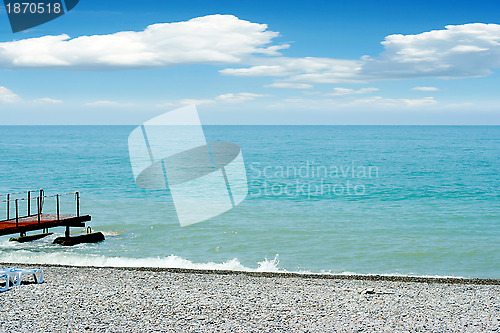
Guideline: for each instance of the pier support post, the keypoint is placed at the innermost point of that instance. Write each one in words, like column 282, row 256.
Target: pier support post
column 66, row 234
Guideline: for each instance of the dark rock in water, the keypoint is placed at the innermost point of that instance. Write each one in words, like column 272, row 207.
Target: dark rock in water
column 88, row 238
column 30, row 238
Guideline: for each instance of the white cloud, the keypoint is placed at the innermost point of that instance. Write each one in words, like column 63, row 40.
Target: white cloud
column 282, row 66
column 289, row 85
column 302, row 70
column 368, row 103
column 273, row 50
column 230, row 98
column 47, row 100
column 166, row 105
column 8, row 96
column 237, row 98
column 459, row 51
column 396, row 102
column 467, row 50
column 112, row 104
column 208, row 39
column 425, row 89
column 347, row 91
column 190, row 101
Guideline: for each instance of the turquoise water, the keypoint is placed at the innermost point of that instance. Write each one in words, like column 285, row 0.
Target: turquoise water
column 411, row 200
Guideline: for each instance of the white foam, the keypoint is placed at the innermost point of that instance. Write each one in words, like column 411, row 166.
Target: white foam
column 269, row 265
column 25, row 256
column 172, row 261
column 111, row 233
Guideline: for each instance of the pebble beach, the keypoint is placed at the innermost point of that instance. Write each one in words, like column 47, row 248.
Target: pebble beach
column 87, row 299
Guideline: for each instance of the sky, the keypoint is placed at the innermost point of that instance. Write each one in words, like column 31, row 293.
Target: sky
column 256, row 62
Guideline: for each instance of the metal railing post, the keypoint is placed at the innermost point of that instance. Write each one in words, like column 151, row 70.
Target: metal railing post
column 41, row 200
column 77, row 203
column 29, row 203
column 8, row 206
column 57, row 199
column 38, row 208
column 17, row 214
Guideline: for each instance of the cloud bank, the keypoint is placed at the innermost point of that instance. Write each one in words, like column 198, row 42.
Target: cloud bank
column 347, row 91
column 230, row 98
column 209, row 39
column 468, row 50
column 459, row 51
column 425, row 88
column 8, row 96
column 376, row 102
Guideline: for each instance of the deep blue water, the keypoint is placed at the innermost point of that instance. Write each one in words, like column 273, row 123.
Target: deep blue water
column 422, row 200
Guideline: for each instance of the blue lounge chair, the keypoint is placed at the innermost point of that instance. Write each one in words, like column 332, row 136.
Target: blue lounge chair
column 7, row 282
column 15, row 275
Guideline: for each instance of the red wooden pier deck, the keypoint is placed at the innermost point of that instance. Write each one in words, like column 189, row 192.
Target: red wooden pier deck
column 31, row 223
column 39, row 221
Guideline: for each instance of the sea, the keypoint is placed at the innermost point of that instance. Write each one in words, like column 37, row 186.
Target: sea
column 392, row 200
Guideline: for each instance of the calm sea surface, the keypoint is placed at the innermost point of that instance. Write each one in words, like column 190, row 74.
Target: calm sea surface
column 410, row 200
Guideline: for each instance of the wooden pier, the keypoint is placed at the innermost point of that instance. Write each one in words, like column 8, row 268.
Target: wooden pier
column 18, row 223
column 31, row 223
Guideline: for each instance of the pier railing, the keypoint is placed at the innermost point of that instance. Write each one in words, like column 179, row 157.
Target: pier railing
column 15, row 200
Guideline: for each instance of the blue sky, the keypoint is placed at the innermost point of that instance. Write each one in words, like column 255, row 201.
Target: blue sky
column 294, row 62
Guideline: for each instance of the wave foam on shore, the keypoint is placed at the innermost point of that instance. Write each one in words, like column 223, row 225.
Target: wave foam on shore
column 171, row 261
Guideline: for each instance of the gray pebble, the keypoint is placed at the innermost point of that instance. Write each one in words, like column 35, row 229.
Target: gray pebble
column 89, row 299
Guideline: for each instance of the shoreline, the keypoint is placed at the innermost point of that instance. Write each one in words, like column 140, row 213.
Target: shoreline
column 327, row 276
column 129, row 299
